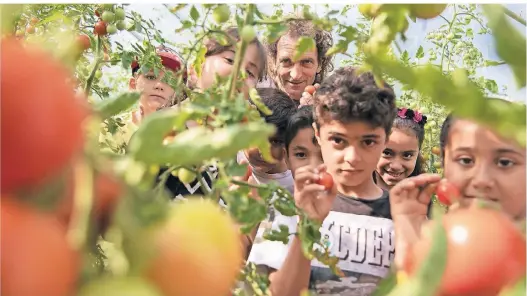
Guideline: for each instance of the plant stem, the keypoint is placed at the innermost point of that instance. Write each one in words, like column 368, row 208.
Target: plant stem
column 240, row 53
column 98, row 60
column 446, row 41
column 514, row 16
column 82, row 204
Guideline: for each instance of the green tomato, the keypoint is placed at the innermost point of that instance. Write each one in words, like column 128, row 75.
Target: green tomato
column 450, row 36
column 221, row 13
column 119, row 14
column 111, row 29
column 248, row 34
column 108, row 16
column 186, row 176
column 121, row 25
column 98, row 74
column 107, row 7
column 432, row 123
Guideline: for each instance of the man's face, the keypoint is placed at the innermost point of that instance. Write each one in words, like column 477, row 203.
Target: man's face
column 155, row 92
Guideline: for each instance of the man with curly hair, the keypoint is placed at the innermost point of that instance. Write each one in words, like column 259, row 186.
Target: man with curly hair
column 293, row 76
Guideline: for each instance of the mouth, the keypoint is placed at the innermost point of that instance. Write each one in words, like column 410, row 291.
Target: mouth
column 296, row 84
column 394, row 174
column 158, row 98
column 349, row 171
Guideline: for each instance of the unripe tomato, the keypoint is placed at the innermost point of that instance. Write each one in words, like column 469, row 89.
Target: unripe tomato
column 98, row 74
column 121, row 25
column 486, row 252
column 108, row 16
column 100, row 28
column 221, row 13
column 310, row 89
column 36, row 257
column 447, row 193
column 248, row 34
column 84, row 42
column 369, row 10
column 427, row 11
column 437, row 165
column 326, row 180
column 186, row 176
column 111, row 29
column 119, row 14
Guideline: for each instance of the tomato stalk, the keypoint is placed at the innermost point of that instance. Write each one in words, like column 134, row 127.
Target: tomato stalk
column 514, row 16
column 451, row 23
column 98, row 60
column 240, row 53
column 82, row 204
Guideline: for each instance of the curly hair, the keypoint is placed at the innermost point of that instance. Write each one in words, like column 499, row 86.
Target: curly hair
column 299, row 28
column 348, row 96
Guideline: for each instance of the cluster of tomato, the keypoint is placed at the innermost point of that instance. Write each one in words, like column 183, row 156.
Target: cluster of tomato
column 111, row 19
column 197, row 249
column 30, row 28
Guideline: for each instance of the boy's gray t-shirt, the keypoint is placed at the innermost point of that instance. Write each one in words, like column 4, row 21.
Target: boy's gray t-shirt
column 359, row 231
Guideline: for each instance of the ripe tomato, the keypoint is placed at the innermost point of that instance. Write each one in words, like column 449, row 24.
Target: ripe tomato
column 30, row 29
column 198, row 251
column 36, row 97
column 436, row 150
column 326, row 180
column 36, row 257
column 34, row 20
column 485, row 253
column 447, row 193
column 310, row 89
column 427, row 11
column 100, row 28
column 84, row 41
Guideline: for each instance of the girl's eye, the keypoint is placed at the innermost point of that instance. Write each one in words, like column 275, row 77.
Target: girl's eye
column 386, row 153
column 408, row 155
column 230, row 61
column 300, row 155
column 465, row 161
column 250, row 74
column 505, row 163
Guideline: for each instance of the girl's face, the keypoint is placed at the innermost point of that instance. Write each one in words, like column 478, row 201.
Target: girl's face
column 304, row 150
column 222, row 65
column 484, row 165
column 399, row 157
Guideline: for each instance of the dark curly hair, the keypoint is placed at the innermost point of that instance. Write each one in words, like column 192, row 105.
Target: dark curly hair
column 214, row 47
column 299, row 28
column 348, row 96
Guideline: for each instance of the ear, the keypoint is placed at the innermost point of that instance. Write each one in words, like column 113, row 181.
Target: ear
column 132, row 84
column 317, row 133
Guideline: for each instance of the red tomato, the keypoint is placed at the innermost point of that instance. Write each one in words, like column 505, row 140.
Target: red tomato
column 310, row 89
column 100, row 28
column 34, row 20
column 36, row 257
column 486, row 252
column 447, row 193
column 326, row 180
column 84, row 41
column 30, row 29
column 37, row 98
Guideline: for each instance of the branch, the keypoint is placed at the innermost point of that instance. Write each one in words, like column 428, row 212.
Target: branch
column 514, row 16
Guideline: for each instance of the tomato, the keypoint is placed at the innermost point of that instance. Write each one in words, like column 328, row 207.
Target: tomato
column 436, row 150
column 186, row 176
column 310, row 89
column 437, row 165
column 97, row 13
column 326, row 180
column 119, row 14
column 34, row 20
column 485, row 253
column 121, row 25
column 84, row 42
column 198, row 251
column 36, row 257
column 119, row 286
column 248, row 34
column 30, row 29
column 19, row 33
column 427, row 11
column 108, row 16
column 221, row 14
column 100, row 28
column 36, row 97
column 369, row 10
column 447, row 193
column 111, row 29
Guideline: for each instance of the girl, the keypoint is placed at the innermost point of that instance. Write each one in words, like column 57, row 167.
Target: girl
column 401, row 158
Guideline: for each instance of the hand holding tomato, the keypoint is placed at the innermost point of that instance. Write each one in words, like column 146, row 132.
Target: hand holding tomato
column 307, row 95
column 447, row 193
column 314, row 191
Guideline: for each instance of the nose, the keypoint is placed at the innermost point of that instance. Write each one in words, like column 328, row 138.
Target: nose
column 482, row 179
column 159, row 86
column 396, row 166
column 351, row 155
column 296, row 72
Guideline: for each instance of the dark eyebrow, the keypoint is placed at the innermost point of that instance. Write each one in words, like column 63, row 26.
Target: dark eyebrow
column 370, row 136
column 299, row 147
column 508, row 150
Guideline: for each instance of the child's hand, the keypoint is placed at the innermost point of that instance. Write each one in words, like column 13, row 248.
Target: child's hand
column 312, row 197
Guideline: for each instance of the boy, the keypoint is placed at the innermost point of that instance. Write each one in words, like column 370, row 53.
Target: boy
column 353, row 119
column 264, row 172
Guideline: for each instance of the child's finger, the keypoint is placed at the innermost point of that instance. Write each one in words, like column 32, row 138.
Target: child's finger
column 426, row 194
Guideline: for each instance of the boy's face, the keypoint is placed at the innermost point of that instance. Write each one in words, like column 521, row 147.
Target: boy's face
column 154, row 92
column 482, row 164
column 304, row 150
column 350, row 151
column 261, row 166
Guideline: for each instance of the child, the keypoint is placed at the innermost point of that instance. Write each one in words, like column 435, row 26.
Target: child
column 401, row 157
column 479, row 162
column 353, row 118
column 282, row 108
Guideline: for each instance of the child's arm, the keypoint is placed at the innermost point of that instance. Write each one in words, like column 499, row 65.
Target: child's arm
column 409, row 200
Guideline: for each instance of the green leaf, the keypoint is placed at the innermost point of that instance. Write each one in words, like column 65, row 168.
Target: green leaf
column 194, row 13
column 491, row 86
column 420, row 52
column 405, row 56
column 303, row 45
column 510, row 44
column 109, row 108
column 281, row 235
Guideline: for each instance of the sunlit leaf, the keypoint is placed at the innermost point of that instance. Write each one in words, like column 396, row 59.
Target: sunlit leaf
column 303, row 45
column 111, row 107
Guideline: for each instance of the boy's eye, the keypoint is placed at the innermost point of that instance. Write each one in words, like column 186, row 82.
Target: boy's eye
column 336, row 140
column 505, row 163
column 275, row 142
column 369, row 142
column 300, row 155
column 150, row 77
column 465, row 161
